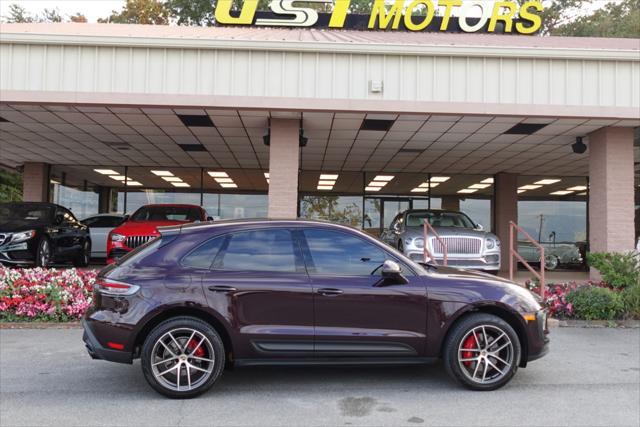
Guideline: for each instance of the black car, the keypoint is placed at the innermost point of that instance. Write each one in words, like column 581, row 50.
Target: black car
column 41, row 234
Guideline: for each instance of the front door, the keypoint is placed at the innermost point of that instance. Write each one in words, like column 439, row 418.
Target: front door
column 258, row 280
column 357, row 314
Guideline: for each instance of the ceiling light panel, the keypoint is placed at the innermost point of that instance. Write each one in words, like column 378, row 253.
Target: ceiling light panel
column 487, row 181
column 106, row 171
column 480, row 186
column 162, row 173
column 529, row 187
column 547, row 181
column 223, row 174
column 467, row 191
column 385, row 178
column 440, row 178
column 561, row 193
column 577, row 188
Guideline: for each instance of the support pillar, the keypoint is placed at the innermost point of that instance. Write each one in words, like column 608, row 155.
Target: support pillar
column 104, row 199
column 450, row 203
column 505, row 210
column 284, row 161
column 611, row 195
column 35, row 182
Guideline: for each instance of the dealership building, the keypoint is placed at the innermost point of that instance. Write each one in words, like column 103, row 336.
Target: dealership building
column 349, row 126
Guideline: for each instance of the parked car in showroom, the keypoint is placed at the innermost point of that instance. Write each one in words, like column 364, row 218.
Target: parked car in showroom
column 468, row 245
column 555, row 254
column 142, row 226
column 99, row 228
column 42, row 234
column 273, row 292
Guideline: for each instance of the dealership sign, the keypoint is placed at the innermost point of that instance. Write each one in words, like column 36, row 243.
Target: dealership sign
column 509, row 17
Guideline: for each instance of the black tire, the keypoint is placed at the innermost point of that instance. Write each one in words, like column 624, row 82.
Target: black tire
column 44, row 253
column 84, row 257
column 176, row 326
column 454, row 350
column 400, row 247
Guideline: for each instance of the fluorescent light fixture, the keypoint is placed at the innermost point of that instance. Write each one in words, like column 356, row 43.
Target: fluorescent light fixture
column 106, row 171
column 480, row 186
column 266, row 175
column 228, row 185
column 577, row 188
column 373, row 188
column 487, row 181
column 429, row 185
column 331, row 183
column 172, row 179
column 419, row 190
column 582, row 194
column 218, row 174
column 162, row 173
column 377, row 184
column 325, row 187
column 221, row 180
column 467, row 191
column 333, row 177
column 529, row 187
column 118, row 177
column 547, row 181
column 180, row 184
column 385, row 178
column 561, row 193
column 133, row 184
column 440, row 178
column 53, row 181
column 521, row 191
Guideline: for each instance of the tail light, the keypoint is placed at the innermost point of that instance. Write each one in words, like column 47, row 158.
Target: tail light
column 113, row 287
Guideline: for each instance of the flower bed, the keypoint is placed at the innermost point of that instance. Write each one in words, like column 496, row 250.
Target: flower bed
column 45, row 294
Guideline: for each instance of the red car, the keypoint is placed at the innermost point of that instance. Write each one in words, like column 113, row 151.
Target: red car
column 143, row 225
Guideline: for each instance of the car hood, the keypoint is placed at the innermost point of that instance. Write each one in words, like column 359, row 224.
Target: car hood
column 20, row 225
column 144, row 228
column 448, row 232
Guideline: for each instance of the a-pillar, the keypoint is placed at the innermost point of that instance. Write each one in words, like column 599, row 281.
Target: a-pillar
column 611, row 198
column 284, row 160
column 35, row 182
column 505, row 210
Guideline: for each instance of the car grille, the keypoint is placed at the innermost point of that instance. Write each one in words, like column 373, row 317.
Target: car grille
column 457, row 245
column 135, row 241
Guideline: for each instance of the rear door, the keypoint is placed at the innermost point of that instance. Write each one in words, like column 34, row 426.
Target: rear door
column 357, row 312
column 259, row 283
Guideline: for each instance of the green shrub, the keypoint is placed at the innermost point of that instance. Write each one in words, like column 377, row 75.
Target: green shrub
column 594, row 303
column 619, row 270
column 631, row 300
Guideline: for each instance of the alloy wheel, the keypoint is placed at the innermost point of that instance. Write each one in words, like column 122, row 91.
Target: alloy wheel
column 182, row 359
column 45, row 253
column 485, row 354
column 551, row 262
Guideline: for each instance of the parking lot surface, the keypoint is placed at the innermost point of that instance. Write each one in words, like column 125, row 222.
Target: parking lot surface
column 590, row 377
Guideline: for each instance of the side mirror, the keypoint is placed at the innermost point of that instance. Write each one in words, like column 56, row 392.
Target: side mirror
column 392, row 274
column 479, row 227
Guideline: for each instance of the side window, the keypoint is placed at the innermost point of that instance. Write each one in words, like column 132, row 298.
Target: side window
column 203, row 255
column 338, row 253
column 259, row 250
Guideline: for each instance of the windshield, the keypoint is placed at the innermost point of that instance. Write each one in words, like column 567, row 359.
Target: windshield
column 17, row 212
column 166, row 213
column 439, row 219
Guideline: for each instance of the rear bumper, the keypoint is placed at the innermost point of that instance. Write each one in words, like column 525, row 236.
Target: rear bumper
column 98, row 351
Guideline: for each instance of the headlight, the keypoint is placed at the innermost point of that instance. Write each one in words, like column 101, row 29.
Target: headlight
column 118, row 237
column 22, row 236
column 418, row 242
column 490, row 243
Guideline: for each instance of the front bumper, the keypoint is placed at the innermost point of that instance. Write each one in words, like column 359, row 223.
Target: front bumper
column 538, row 337
column 489, row 262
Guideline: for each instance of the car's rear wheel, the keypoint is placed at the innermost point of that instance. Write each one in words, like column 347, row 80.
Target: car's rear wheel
column 551, row 262
column 182, row 357
column 482, row 352
column 43, row 253
column 84, row 257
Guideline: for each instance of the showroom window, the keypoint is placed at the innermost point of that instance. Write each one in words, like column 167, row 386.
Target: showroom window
column 339, row 209
column 554, row 221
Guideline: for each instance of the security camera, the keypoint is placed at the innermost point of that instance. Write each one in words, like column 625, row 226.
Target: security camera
column 579, row 147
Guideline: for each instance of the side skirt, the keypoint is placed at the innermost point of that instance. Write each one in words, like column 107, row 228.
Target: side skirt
column 337, row 361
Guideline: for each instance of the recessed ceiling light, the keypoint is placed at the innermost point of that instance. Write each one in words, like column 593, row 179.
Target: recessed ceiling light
column 373, row 188
column 218, row 174
column 530, row 187
column 106, row 171
column 325, row 187
column 228, row 185
column 385, row 178
column 329, row 176
column 577, row 188
column 221, row 180
column 521, row 191
column 377, row 184
column 561, row 193
column 582, row 194
column 480, row 186
column 419, row 190
column 133, row 184
column 118, row 177
column 440, row 178
column 487, row 181
column 172, row 179
column 162, row 173
column 331, row 183
column 547, row 181
column 467, row 191
column 180, row 184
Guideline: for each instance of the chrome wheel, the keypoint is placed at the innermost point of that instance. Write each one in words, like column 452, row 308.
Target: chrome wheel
column 182, row 359
column 551, row 262
column 44, row 254
column 485, row 354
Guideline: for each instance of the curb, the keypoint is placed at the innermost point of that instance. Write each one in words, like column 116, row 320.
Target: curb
column 572, row 323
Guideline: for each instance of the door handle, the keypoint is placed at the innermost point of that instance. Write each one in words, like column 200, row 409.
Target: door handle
column 222, row 288
column 329, row 292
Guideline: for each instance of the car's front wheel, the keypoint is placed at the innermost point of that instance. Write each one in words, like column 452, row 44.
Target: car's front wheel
column 182, row 357
column 44, row 253
column 482, row 352
column 84, row 256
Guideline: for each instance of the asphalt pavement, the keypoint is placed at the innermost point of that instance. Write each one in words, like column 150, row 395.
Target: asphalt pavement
column 591, row 377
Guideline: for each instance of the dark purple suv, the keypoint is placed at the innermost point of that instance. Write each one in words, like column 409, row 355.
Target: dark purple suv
column 205, row 296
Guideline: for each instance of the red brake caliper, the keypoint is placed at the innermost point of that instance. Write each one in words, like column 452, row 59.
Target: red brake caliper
column 469, row 343
column 193, row 344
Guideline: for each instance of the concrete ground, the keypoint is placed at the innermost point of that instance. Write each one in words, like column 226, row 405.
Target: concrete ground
column 590, row 377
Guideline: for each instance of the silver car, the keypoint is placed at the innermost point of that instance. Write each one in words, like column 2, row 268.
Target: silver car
column 468, row 246
column 99, row 227
column 555, row 255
